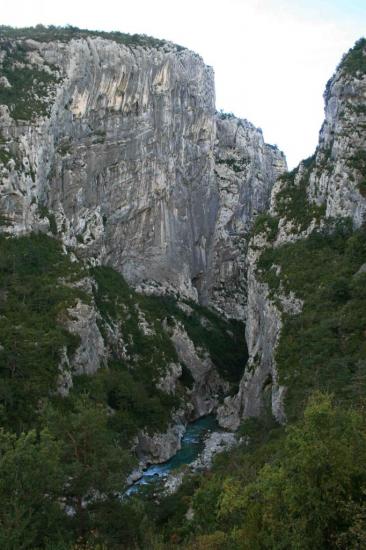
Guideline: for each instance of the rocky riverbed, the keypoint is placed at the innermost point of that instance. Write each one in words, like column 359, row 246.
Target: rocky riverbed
column 202, row 440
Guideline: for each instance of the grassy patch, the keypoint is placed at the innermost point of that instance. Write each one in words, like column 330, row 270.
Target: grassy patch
column 358, row 161
column 5, row 155
column 362, row 188
column 225, row 116
column 237, row 165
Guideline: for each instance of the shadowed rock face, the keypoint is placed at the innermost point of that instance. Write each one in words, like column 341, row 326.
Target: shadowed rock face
column 134, row 166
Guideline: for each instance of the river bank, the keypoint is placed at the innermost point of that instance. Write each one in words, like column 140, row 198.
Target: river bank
column 202, row 439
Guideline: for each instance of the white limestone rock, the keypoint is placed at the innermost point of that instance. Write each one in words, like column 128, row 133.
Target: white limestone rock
column 131, row 162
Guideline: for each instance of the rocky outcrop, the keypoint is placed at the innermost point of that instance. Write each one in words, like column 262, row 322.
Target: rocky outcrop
column 91, row 350
column 124, row 158
column 262, row 331
column 328, row 185
column 245, row 168
column 201, row 398
column 215, row 443
column 339, row 174
column 159, row 447
column 81, row 320
column 207, row 385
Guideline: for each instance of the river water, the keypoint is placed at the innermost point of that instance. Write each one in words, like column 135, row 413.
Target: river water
column 192, row 445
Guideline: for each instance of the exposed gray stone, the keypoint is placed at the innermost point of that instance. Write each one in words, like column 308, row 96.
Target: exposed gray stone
column 215, row 442
column 169, row 381
column 336, row 177
column 82, row 321
column 263, row 325
column 139, row 170
column 159, row 447
column 334, row 182
column 246, row 169
column 362, row 269
column 207, row 386
column 4, row 82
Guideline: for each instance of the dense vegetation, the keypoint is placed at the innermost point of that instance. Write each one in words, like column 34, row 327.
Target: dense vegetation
column 33, row 298
column 224, row 116
column 354, row 61
column 64, row 460
column 292, row 202
column 52, row 451
column 298, row 487
column 71, row 450
column 324, row 346
column 308, row 491
column 358, row 162
column 267, row 225
column 303, row 486
column 31, row 88
column 224, row 340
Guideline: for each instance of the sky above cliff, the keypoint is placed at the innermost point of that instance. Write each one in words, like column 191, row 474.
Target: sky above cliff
column 272, row 58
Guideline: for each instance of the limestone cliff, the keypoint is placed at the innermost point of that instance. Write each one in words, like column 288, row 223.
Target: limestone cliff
column 245, row 168
column 113, row 146
column 337, row 179
column 323, row 189
column 117, row 149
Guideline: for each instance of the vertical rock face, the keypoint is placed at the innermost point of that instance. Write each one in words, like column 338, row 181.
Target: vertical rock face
column 331, row 184
column 125, row 156
column 263, row 326
column 117, row 150
column 245, row 169
column 338, row 179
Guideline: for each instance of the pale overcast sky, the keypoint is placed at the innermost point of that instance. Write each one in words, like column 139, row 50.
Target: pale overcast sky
column 272, row 58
